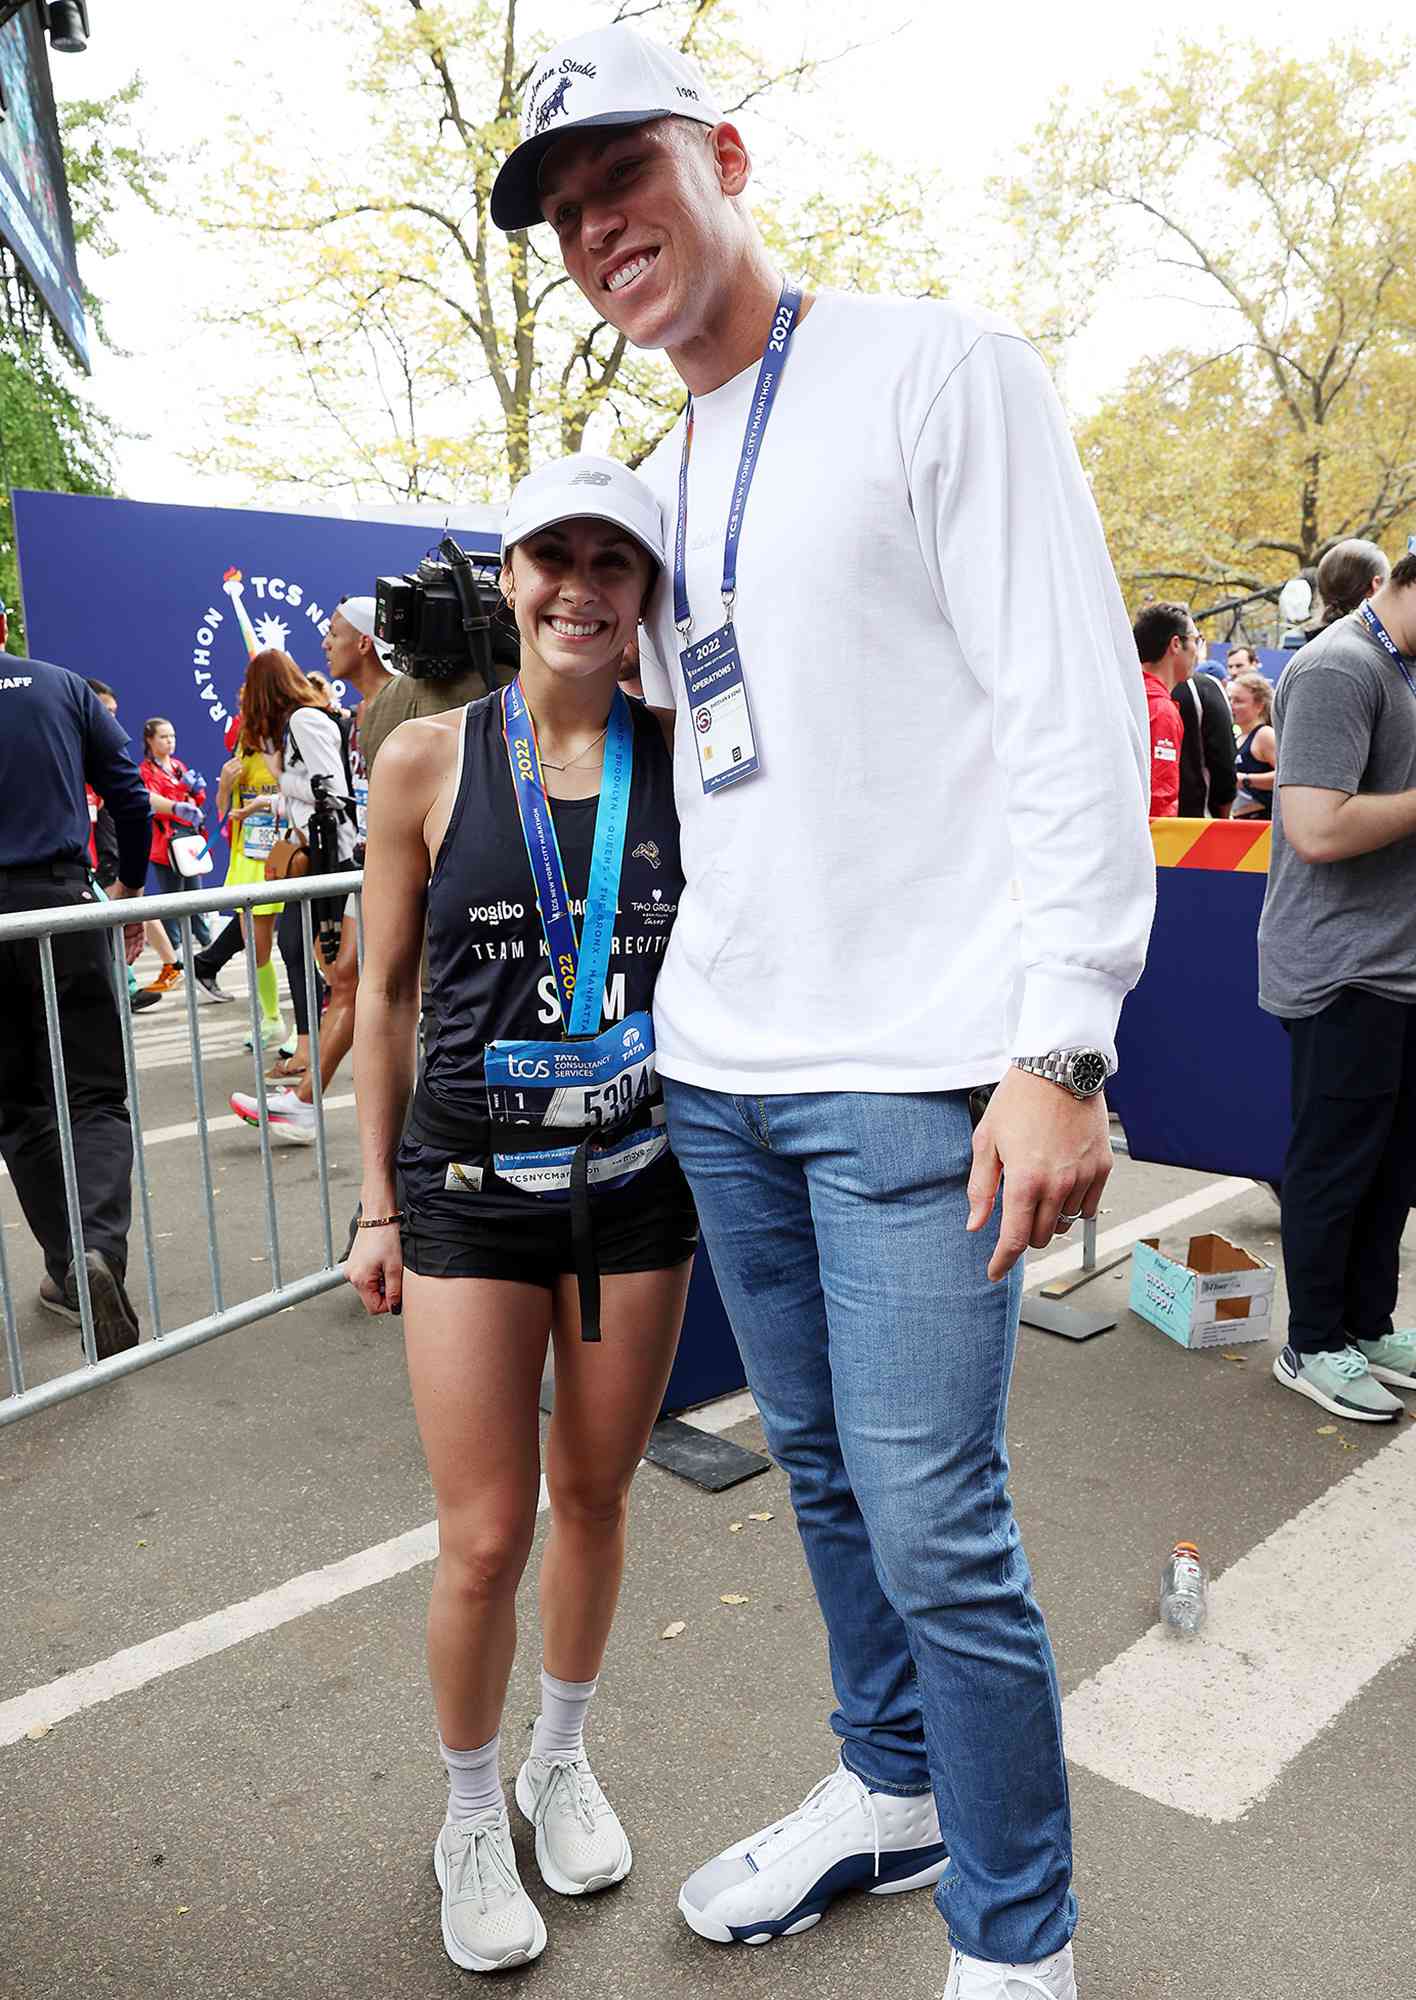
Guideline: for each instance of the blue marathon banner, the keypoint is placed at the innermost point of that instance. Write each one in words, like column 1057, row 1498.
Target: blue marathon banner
column 166, row 603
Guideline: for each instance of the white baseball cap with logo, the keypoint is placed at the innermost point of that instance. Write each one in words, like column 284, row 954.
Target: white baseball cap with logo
column 359, row 612
column 611, row 76
column 585, row 487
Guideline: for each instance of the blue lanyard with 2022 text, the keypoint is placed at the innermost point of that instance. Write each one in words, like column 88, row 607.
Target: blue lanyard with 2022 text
column 712, row 667
column 1383, row 638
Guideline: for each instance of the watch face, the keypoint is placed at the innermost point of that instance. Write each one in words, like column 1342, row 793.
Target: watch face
column 1087, row 1072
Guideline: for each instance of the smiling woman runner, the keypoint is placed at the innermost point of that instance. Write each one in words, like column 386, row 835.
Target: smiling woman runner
column 535, row 831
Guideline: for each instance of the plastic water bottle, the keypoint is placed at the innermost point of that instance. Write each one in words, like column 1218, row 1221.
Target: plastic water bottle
column 1182, row 1591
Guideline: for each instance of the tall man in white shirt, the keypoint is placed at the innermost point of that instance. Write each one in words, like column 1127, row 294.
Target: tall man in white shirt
column 899, row 888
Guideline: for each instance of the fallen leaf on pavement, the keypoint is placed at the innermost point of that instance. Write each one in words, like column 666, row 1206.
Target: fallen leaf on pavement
column 734, row 1597
column 759, row 1517
column 1327, row 1430
column 674, row 1631
column 39, row 1729
column 735, row 1527
column 1235, row 1357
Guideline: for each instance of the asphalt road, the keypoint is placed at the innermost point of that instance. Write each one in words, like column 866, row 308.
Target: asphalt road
column 259, row 1823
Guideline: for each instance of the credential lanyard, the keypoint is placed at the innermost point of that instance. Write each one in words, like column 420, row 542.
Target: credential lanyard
column 769, row 379
column 579, row 964
column 1383, row 638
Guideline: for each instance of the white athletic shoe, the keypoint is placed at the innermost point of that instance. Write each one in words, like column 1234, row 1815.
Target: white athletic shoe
column 580, row 1844
column 488, row 1920
column 980, row 1979
column 842, row 1836
column 287, row 1114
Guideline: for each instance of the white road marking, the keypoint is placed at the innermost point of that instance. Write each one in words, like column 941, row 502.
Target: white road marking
column 1296, row 1629
column 1061, row 1263
column 136, row 1666
column 163, row 1135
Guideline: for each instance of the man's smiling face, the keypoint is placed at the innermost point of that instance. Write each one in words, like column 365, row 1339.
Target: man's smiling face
column 639, row 214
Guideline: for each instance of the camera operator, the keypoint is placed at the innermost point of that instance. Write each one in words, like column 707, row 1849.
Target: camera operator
column 445, row 666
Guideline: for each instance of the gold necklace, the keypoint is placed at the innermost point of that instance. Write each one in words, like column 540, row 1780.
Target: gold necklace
column 573, row 761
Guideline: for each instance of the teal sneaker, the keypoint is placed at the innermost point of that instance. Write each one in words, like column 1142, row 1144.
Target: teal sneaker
column 1392, row 1359
column 1340, row 1382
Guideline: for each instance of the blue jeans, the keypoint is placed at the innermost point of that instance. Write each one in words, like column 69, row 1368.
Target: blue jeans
column 879, row 1354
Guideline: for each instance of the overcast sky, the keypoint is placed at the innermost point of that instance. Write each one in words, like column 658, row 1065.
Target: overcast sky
column 954, row 88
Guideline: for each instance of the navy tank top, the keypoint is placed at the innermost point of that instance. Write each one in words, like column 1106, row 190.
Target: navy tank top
column 1245, row 760
column 489, row 977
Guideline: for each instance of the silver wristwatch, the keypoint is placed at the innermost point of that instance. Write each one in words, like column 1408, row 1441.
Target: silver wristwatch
column 1082, row 1071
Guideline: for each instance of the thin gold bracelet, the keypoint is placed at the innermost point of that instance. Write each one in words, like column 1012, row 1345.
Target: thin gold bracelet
column 379, row 1221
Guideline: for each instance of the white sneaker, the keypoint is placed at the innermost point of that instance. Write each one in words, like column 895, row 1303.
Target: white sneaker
column 488, row 1920
column 580, row 1844
column 842, row 1836
column 981, row 1979
column 287, row 1114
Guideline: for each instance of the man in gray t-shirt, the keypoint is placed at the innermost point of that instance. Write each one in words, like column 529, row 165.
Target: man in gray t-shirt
column 1337, row 964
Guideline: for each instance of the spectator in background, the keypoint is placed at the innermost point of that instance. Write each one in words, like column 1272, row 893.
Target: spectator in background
column 246, row 797
column 361, row 660
column 1168, row 642
column 296, row 732
column 176, row 796
column 1251, row 699
column 103, row 858
column 56, row 740
column 1337, row 965
column 1347, row 576
column 1207, row 776
column 1241, row 660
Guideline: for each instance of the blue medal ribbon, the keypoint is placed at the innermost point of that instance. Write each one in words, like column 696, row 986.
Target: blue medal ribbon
column 769, row 380
column 1383, row 638
column 579, row 963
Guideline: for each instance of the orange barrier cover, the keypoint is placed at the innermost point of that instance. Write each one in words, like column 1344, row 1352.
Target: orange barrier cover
column 1233, row 846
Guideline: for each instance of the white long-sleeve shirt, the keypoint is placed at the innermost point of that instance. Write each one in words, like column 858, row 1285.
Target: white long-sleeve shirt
column 944, row 860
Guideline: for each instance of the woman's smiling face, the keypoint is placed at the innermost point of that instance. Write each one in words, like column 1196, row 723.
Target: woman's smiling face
column 577, row 589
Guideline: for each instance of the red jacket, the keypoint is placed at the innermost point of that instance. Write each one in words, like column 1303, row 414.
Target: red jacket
column 1167, row 732
column 169, row 786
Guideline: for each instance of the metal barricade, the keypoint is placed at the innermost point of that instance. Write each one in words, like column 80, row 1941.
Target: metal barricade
column 159, row 1342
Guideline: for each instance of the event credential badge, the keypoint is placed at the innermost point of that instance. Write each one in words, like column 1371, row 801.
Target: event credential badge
column 717, row 699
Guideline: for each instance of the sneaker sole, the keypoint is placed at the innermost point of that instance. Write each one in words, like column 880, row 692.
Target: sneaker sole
column 717, row 1932
column 468, row 1960
column 1393, row 1377
column 61, row 1309
column 115, row 1324
column 1315, row 1395
column 566, row 1885
column 280, row 1128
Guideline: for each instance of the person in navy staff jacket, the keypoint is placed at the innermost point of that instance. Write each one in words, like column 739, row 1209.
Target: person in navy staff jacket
column 56, row 738
column 828, row 1026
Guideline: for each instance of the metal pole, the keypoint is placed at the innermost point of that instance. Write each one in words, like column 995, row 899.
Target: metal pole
column 258, row 1054
column 199, row 1092
column 307, row 939
column 12, row 1338
column 1089, row 1243
column 66, row 1145
column 130, row 1072
column 45, row 1394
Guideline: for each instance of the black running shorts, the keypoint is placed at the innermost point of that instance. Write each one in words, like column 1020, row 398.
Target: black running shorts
column 457, row 1231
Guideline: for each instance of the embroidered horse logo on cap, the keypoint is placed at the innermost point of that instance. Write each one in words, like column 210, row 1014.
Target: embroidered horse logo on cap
column 554, row 104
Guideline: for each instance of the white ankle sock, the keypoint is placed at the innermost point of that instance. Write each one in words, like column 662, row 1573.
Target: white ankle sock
column 473, row 1778
column 560, row 1727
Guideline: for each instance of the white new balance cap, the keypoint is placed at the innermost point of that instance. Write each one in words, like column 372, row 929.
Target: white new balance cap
column 359, row 612
column 585, row 487
column 611, row 76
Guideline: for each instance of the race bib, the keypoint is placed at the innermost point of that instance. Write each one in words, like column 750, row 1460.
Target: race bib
column 258, row 835
column 361, row 807
column 572, row 1086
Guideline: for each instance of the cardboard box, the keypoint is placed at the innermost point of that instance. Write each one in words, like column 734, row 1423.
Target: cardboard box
column 1220, row 1296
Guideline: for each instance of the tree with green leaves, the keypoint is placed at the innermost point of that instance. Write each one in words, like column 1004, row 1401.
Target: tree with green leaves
column 414, row 352
column 1282, row 196
column 51, row 436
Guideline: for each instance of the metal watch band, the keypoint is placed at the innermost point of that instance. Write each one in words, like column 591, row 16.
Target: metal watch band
column 1057, row 1067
